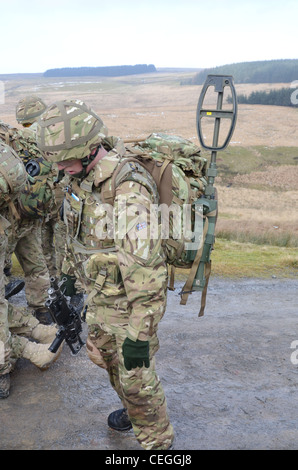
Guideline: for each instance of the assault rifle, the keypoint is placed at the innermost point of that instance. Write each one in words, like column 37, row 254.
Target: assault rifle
column 67, row 318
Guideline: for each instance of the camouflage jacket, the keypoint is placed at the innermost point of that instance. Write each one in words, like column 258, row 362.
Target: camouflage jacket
column 13, row 180
column 100, row 235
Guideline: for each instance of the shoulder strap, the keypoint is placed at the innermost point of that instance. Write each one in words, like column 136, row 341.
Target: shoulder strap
column 130, row 169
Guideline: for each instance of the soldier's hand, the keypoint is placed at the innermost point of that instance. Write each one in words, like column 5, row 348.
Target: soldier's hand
column 135, row 353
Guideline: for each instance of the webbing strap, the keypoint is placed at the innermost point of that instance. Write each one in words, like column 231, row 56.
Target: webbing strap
column 188, row 285
column 204, row 293
column 98, row 285
column 168, row 160
column 172, row 278
column 12, row 207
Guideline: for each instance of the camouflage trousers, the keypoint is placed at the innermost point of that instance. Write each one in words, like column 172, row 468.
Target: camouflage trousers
column 4, row 328
column 25, row 242
column 139, row 389
column 20, row 323
column 14, row 320
column 53, row 238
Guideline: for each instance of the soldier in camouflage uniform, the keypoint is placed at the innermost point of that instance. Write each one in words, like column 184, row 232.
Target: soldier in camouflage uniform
column 17, row 324
column 25, row 236
column 124, row 272
column 27, row 110
column 53, row 231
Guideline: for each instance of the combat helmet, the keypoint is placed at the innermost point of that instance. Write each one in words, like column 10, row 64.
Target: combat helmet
column 69, row 130
column 28, row 109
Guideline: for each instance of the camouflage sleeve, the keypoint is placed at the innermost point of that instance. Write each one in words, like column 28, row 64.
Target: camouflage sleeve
column 140, row 256
column 68, row 265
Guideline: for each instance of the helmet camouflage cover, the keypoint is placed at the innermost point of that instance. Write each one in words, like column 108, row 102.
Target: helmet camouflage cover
column 69, row 130
column 28, row 109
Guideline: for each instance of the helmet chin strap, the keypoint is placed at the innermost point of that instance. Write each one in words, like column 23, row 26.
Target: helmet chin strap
column 85, row 162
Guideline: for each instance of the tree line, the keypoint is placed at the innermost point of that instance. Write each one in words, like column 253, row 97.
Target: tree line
column 109, row 71
column 267, row 71
column 281, row 97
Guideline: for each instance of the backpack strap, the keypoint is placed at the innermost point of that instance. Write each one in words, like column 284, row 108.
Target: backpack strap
column 4, row 224
column 130, row 169
column 108, row 190
column 12, row 207
column 187, row 289
column 172, row 278
column 204, row 292
column 168, row 159
column 161, row 171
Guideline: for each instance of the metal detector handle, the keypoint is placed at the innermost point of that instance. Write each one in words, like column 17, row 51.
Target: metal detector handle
column 219, row 82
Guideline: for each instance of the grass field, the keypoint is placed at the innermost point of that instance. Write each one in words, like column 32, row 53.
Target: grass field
column 257, row 229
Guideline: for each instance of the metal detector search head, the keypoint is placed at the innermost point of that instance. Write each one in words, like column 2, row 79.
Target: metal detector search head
column 219, row 82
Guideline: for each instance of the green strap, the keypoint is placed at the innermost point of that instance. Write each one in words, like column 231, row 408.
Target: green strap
column 188, row 285
column 98, row 285
column 204, row 293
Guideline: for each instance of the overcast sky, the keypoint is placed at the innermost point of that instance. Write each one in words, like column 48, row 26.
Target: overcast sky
column 40, row 34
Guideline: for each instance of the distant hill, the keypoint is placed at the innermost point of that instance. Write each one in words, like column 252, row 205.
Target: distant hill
column 178, row 69
column 111, row 71
column 268, row 71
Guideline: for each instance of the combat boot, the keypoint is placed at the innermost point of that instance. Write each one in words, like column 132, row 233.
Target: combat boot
column 13, row 288
column 4, row 385
column 44, row 334
column 119, row 420
column 28, row 326
column 36, row 353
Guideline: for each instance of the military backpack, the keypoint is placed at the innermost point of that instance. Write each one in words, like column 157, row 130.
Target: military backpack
column 36, row 198
column 179, row 172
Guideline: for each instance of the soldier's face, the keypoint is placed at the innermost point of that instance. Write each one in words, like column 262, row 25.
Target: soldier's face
column 71, row 166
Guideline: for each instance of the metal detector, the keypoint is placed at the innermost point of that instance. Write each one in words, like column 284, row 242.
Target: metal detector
column 209, row 200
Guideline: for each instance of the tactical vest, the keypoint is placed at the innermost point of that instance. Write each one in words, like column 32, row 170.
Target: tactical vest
column 13, row 179
column 85, row 202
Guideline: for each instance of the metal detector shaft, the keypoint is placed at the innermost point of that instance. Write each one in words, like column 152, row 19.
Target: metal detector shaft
column 209, row 200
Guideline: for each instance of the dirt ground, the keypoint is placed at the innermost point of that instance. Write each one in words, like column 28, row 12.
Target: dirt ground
column 230, row 379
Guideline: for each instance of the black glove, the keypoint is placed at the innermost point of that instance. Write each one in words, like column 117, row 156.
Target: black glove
column 135, row 353
column 68, row 288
